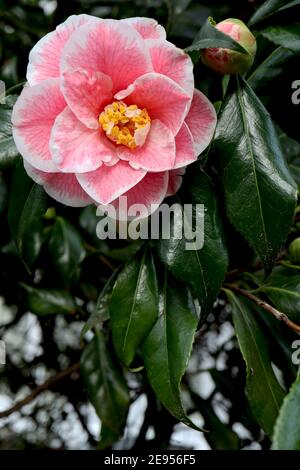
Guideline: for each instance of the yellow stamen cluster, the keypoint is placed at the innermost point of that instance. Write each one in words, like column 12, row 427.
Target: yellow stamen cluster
column 121, row 122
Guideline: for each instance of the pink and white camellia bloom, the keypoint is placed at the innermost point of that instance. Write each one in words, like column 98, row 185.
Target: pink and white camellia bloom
column 110, row 110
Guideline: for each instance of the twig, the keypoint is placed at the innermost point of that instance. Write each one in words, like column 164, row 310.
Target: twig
column 280, row 316
column 38, row 390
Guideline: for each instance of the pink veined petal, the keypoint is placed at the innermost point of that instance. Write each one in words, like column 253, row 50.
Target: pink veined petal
column 173, row 62
column 111, row 47
column 150, row 192
column 33, row 117
column 77, row 149
column 157, row 153
column 201, row 120
column 87, row 93
column 175, row 181
column 148, row 28
column 44, row 58
column 185, row 151
column 109, row 182
column 161, row 96
column 62, row 187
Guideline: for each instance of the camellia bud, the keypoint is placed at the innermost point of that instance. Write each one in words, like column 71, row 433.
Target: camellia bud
column 294, row 251
column 227, row 61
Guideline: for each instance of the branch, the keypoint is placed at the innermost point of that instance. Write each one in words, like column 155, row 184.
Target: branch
column 280, row 316
column 41, row 388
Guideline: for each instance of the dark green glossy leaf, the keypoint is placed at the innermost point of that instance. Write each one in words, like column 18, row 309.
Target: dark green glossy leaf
column 8, row 150
column 269, row 8
column 283, row 288
column 48, row 301
column 101, row 313
column 28, row 204
column 252, row 164
column 287, row 36
column 202, row 269
column 287, row 430
column 66, row 247
column 264, row 393
column 106, row 387
column 209, row 36
column 3, row 195
column 167, row 348
column 134, row 305
column 270, row 68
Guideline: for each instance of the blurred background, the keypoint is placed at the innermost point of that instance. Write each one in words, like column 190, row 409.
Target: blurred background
column 38, row 344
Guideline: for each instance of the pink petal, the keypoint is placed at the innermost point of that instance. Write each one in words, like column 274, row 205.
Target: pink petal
column 62, row 187
column 147, row 27
column 185, row 151
column 44, row 58
column 77, row 149
column 33, row 117
column 202, row 120
column 150, row 191
column 109, row 182
column 161, row 96
column 157, row 153
column 173, row 62
column 87, row 94
column 175, row 181
column 111, row 47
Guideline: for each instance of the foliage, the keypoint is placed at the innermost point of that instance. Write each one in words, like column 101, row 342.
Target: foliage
column 149, row 320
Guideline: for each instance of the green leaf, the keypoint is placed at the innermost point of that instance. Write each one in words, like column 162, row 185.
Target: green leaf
column 48, row 301
column 101, row 312
column 209, row 36
column 283, row 288
column 269, row 8
column 167, row 348
column 252, row 163
column 263, row 391
column 134, row 305
column 287, row 36
column 106, row 387
column 28, row 203
column 66, row 247
column 3, row 195
column 270, row 68
column 287, row 430
column 8, row 150
column 203, row 270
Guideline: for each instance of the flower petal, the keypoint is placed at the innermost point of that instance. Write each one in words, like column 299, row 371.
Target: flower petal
column 87, row 94
column 175, row 181
column 173, row 62
column 62, row 187
column 148, row 28
column 33, row 117
column 108, row 46
column 157, row 153
column 185, row 151
column 161, row 96
column 109, row 182
column 44, row 58
column 150, row 191
column 77, row 149
column 201, row 120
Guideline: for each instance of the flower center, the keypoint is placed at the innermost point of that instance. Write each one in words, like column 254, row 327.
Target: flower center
column 126, row 125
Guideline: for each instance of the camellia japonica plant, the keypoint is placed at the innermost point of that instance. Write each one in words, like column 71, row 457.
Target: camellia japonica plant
column 112, row 108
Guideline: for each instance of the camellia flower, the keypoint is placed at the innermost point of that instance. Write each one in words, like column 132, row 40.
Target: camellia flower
column 110, row 109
